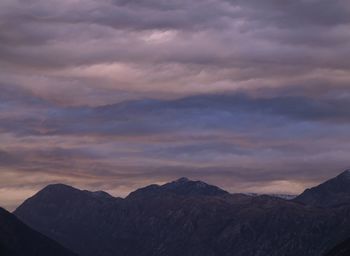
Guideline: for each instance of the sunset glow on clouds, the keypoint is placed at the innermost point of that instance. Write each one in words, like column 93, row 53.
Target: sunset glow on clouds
column 253, row 96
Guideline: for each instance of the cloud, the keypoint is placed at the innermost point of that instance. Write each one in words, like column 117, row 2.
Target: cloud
column 115, row 94
column 141, row 48
column 235, row 112
column 212, row 131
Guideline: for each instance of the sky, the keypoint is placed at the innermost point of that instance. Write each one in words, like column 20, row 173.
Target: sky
column 250, row 95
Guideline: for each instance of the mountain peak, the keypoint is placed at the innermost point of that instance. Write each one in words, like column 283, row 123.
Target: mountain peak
column 183, row 187
column 100, row 194
column 182, row 180
column 333, row 192
column 59, row 187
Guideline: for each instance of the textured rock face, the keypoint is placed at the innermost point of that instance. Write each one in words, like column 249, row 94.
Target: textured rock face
column 184, row 217
column 342, row 249
column 332, row 193
column 16, row 239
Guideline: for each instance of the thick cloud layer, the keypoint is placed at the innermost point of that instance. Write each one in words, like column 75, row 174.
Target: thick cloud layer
column 251, row 95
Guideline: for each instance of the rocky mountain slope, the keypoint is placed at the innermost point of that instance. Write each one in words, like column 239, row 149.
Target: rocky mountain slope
column 334, row 192
column 342, row 249
column 185, row 217
column 17, row 239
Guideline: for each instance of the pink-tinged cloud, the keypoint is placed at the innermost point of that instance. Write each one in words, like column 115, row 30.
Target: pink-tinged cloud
column 113, row 94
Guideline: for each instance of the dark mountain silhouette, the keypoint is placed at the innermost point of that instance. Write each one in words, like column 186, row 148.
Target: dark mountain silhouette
column 182, row 186
column 17, row 239
column 342, row 249
column 184, row 217
column 333, row 192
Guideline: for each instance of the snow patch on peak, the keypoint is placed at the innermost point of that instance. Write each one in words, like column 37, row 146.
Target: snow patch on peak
column 284, row 196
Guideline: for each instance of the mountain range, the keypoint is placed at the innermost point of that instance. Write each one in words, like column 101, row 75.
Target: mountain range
column 186, row 217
